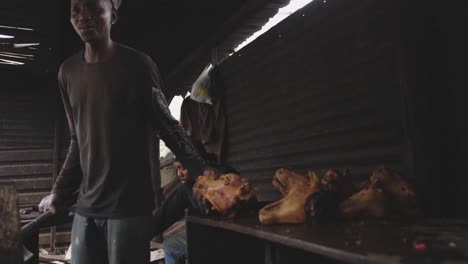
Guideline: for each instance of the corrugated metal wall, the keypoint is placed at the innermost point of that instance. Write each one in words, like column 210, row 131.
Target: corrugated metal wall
column 455, row 65
column 459, row 58
column 319, row 90
column 29, row 108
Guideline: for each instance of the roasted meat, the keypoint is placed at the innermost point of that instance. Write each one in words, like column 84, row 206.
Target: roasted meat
column 387, row 194
column 402, row 196
column 295, row 188
column 395, row 185
column 370, row 201
column 224, row 194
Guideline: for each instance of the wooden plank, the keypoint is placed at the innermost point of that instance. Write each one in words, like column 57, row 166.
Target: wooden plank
column 50, row 258
column 25, row 155
column 31, row 198
column 345, row 242
column 60, row 237
column 25, row 169
column 31, row 183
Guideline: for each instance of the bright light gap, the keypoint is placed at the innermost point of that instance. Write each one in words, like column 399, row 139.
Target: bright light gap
column 25, row 45
column 2, row 36
column 283, row 13
column 18, row 54
column 10, row 62
column 16, row 57
column 19, row 28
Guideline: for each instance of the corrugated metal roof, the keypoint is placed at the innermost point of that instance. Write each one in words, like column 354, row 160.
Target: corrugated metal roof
column 239, row 27
column 166, row 30
column 34, row 28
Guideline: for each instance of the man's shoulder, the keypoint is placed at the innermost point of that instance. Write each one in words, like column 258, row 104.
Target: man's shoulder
column 134, row 54
column 70, row 63
column 73, row 60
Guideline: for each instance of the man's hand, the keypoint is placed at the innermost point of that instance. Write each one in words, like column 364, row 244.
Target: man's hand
column 57, row 205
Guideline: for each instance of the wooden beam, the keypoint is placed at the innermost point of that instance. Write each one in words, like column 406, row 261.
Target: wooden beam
column 31, row 198
column 60, row 238
column 25, row 155
column 31, row 183
column 25, row 169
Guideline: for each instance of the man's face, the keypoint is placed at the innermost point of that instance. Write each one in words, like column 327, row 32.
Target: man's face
column 182, row 173
column 92, row 19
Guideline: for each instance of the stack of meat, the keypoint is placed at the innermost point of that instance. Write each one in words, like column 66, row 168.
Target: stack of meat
column 306, row 197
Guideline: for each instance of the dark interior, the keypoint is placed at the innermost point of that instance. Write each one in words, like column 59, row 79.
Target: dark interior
column 339, row 84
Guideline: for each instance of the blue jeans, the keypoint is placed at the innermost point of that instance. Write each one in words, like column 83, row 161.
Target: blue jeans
column 175, row 248
column 113, row 241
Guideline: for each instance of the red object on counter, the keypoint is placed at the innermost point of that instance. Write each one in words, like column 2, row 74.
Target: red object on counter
column 420, row 246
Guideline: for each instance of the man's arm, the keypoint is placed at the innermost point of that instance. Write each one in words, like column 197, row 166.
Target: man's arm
column 69, row 178
column 170, row 131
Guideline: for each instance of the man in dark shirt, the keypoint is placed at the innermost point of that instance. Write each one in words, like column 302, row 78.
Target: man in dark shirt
column 114, row 104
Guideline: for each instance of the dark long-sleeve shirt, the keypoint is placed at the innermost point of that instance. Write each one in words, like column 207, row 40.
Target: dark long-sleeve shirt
column 113, row 109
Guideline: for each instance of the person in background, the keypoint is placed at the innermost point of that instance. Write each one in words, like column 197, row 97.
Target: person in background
column 113, row 100
column 178, row 197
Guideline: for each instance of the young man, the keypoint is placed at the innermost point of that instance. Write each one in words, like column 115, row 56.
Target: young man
column 114, row 103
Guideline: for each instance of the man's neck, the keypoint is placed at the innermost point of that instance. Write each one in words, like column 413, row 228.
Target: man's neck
column 101, row 51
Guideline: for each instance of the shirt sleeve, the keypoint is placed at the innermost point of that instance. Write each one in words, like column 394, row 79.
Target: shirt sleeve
column 170, row 131
column 69, row 178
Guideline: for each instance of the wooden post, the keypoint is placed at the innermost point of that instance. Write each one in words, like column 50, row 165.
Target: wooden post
column 10, row 237
column 55, row 170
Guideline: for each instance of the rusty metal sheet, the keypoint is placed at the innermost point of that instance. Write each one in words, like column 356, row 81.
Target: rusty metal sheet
column 318, row 90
